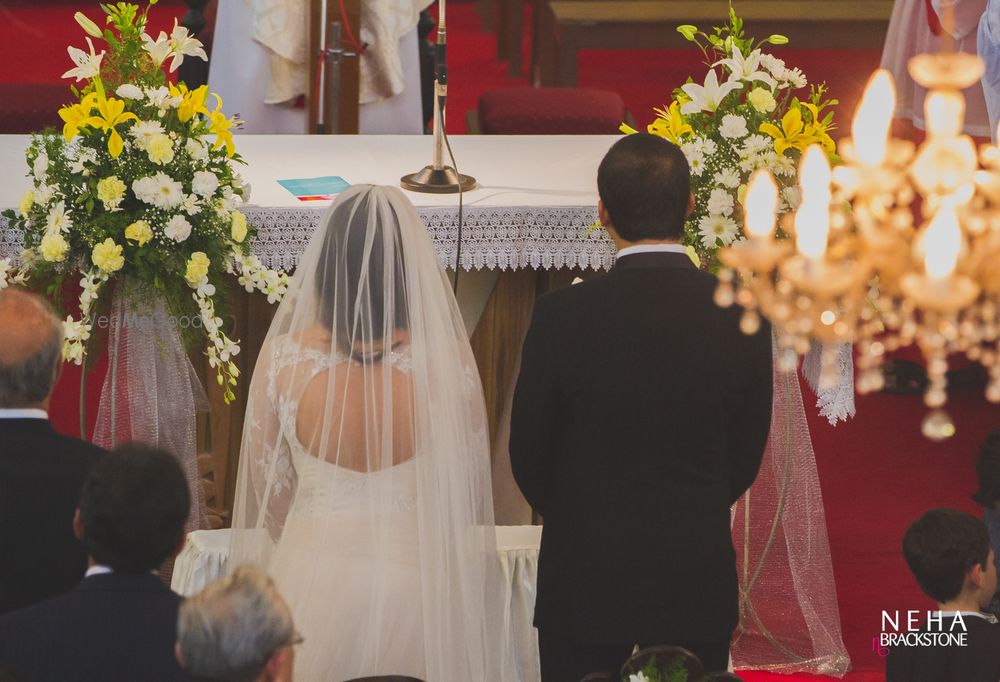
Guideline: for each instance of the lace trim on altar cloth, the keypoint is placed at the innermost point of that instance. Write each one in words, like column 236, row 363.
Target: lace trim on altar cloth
column 493, row 238
column 835, row 399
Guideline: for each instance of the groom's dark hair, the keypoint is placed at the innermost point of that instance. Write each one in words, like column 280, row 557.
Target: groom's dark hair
column 133, row 506
column 644, row 182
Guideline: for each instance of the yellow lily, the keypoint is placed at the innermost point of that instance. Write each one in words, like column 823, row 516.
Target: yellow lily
column 790, row 135
column 112, row 113
column 192, row 101
column 220, row 125
column 670, row 124
column 76, row 116
column 816, row 131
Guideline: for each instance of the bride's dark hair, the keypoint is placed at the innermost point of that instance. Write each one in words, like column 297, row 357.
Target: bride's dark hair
column 351, row 282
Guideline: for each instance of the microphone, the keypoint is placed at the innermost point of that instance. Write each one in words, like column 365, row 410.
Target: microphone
column 438, row 178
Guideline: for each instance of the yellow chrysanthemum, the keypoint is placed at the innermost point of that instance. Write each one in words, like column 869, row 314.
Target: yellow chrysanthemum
column 197, row 268
column 53, row 247
column 27, row 201
column 160, row 149
column 762, row 100
column 108, row 256
column 139, row 232
column 239, row 227
column 111, row 191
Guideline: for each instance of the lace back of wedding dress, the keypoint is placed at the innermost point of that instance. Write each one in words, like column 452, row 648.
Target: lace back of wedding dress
column 364, row 472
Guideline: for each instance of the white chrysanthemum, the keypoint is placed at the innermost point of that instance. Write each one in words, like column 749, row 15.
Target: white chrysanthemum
column 773, row 64
column 733, row 127
column 230, row 200
column 717, row 228
column 41, row 166
column 768, row 159
column 720, row 202
column 796, row 78
column 204, row 183
column 727, row 177
column 161, row 98
column 128, row 91
column 178, row 228
column 4, row 269
column 783, row 166
column 191, row 204
column 44, row 194
column 159, row 190
column 196, row 149
column 144, row 131
column 792, row 196
column 696, row 160
column 755, row 144
column 58, row 220
column 708, row 147
column 747, row 160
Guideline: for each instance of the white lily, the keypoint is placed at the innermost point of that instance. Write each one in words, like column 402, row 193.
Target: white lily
column 707, row 97
column 183, row 44
column 87, row 65
column 745, row 68
column 158, row 49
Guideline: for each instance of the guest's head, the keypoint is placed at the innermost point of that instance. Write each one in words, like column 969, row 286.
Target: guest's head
column 133, row 507
column 949, row 554
column 30, row 346
column 644, row 184
column 360, row 283
column 238, row 629
column 988, row 472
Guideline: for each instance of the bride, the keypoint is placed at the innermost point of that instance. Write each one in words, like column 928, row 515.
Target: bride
column 363, row 480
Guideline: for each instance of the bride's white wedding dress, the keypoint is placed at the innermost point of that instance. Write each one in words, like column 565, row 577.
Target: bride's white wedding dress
column 364, row 484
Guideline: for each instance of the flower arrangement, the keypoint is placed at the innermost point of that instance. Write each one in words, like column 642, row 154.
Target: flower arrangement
column 673, row 671
column 140, row 186
column 743, row 117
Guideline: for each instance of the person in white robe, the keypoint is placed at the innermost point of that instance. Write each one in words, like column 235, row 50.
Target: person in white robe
column 260, row 64
column 989, row 51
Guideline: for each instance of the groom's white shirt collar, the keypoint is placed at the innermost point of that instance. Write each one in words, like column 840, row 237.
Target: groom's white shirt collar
column 652, row 248
column 22, row 413
column 97, row 569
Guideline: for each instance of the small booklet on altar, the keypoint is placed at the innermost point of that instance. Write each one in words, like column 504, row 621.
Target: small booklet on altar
column 315, row 189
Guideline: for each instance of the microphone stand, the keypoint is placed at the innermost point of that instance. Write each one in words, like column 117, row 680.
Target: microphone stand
column 438, row 178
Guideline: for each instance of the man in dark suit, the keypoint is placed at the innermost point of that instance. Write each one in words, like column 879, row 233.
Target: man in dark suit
column 949, row 553
column 120, row 623
column 40, row 471
column 640, row 416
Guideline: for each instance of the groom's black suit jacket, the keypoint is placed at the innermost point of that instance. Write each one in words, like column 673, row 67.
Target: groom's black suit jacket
column 640, row 415
column 41, row 473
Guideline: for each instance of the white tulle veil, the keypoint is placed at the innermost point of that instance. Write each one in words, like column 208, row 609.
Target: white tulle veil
column 363, row 482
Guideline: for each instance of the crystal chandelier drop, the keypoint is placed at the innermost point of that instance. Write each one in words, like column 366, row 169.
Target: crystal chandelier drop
column 899, row 245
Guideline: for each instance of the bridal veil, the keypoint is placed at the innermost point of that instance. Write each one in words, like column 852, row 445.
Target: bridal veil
column 363, row 482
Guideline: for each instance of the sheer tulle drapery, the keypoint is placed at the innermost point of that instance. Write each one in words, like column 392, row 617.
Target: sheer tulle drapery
column 364, row 473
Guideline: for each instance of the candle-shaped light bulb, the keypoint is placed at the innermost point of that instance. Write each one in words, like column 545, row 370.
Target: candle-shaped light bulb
column 761, row 204
column 812, row 220
column 945, row 112
column 873, row 119
column 942, row 242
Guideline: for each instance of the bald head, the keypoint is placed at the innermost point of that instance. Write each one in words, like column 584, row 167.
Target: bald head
column 30, row 343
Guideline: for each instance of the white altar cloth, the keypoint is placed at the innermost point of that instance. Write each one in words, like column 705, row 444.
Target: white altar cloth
column 205, row 558
column 537, row 194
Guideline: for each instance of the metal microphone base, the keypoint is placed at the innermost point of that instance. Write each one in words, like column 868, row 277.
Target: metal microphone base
column 442, row 180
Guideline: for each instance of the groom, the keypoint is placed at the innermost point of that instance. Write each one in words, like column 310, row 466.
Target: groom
column 640, row 415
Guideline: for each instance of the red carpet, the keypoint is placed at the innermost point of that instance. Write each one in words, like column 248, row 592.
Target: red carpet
column 878, row 473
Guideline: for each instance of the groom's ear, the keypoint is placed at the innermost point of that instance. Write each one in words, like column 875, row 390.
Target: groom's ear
column 602, row 214
column 690, row 207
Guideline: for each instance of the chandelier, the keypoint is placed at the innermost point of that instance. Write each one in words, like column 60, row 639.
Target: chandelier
column 899, row 245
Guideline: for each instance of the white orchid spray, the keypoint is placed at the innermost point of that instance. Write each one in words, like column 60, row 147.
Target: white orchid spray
column 742, row 117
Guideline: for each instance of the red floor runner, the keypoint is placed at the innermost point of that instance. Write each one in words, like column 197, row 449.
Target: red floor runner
column 878, row 473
